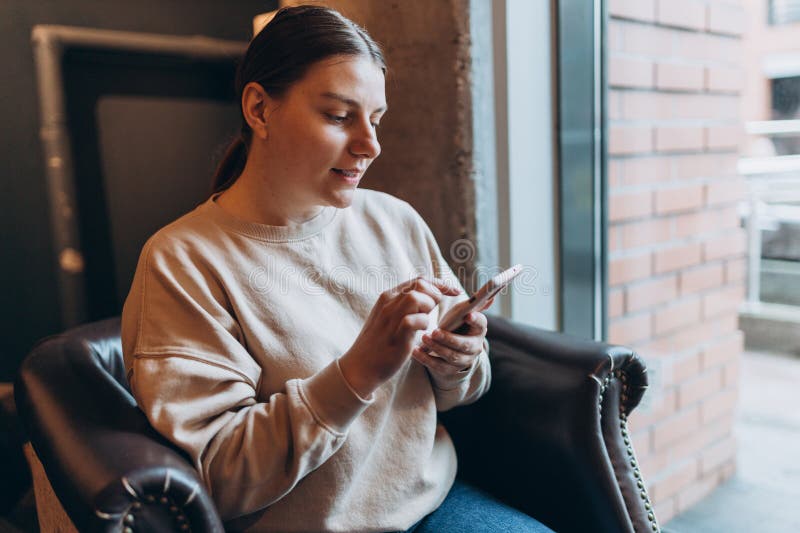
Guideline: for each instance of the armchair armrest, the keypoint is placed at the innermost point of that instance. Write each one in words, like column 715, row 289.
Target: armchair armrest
column 550, row 437
column 108, row 467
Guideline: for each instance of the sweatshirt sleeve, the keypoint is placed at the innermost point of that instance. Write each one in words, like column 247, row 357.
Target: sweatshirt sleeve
column 469, row 385
column 197, row 384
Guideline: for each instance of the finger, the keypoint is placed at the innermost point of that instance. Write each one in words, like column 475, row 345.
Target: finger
column 414, row 302
column 436, row 364
column 450, row 288
column 435, row 286
column 453, row 357
column 458, row 343
column 412, row 323
column 418, row 284
column 488, row 304
column 476, row 325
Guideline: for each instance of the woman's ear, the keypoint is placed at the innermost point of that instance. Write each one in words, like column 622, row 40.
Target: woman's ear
column 256, row 106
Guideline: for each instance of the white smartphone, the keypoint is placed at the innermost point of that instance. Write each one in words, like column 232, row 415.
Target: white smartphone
column 454, row 318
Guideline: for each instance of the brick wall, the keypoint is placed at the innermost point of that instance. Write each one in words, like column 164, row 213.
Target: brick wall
column 676, row 251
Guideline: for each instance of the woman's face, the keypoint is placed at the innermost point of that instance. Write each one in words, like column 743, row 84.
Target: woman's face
column 322, row 133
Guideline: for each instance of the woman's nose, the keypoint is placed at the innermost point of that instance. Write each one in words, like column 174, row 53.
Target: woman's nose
column 365, row 142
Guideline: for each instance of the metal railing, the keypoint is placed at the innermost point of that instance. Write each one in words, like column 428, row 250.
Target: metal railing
column 774, row 195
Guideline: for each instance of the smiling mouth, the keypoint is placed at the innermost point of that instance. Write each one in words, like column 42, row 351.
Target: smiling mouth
column 347, row 173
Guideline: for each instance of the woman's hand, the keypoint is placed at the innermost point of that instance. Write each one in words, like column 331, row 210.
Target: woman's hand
column 446, row 353
column 387, row 338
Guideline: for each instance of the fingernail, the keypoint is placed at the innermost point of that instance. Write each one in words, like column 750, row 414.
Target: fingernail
column 425, row 349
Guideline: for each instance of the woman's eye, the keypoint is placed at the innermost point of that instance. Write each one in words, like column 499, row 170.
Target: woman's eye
column 337, row 118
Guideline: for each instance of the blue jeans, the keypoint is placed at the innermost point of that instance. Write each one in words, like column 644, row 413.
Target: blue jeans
column 467, row 509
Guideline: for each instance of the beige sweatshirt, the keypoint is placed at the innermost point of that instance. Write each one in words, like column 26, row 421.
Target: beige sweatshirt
column 231, row 335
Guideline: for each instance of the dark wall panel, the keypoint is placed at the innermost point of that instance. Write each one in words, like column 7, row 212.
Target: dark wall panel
column 28, row 302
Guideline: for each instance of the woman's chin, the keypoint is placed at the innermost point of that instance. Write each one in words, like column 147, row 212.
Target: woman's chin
column 343, row 198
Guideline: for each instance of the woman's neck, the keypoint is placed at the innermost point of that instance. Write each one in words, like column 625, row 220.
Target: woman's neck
column 252, row 198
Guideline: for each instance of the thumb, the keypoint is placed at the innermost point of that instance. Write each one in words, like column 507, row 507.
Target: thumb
column 488, row 304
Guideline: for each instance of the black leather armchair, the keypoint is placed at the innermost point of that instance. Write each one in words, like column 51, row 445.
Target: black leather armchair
column 549, row 438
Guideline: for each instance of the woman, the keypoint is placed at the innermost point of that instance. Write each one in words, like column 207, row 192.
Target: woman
column 258, row 338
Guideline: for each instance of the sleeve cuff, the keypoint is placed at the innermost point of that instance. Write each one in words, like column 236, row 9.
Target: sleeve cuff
column 332, row 401
column 446, row 383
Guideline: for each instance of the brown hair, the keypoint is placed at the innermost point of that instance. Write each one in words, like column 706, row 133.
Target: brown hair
column 281, row 53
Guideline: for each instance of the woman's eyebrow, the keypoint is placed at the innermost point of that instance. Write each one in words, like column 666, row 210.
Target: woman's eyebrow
column 349, row 101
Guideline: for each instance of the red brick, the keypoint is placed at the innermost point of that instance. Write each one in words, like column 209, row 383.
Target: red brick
column 708, row 221
column 721, row 48
column 700, row 278
column 676, row 257
column 679, row 199
column 690, row 336
column 616, row 303
column 694, row 46
column 644, row 10
column 666, row 509
column 614, row 238
column 723, row 300
column 630, row 72
column 723, row 137
column 616, row 29
column 627, row 205
column 645, row 170
column 629, row 268
column 650, row 293
column 614, row 105
column 696, row 223
column 676, row 315
column 630, row 329
column 702, row 386
column 696, row 492
column 630, row 140
column 731, row 243
column 730, row 373
column 669, row 483
column 717, row 405
column 682, row 14
column 615, row 172
column 725, row 191
column 735, row 270
column 641, row 441
column 645, row 232
column 724, row 324
column 727, row 471
column 626, row 269
column 726, row 18
column 694, row 444
column 724, row 79
column 644, row 39
column 676, row 427
column 723, row 350
column 677, row 139
column 685, row 367
column 647, row 105
column 705, row 165
column 682, row 77
column 664, row 406
column 717, row 455
column 703, row 106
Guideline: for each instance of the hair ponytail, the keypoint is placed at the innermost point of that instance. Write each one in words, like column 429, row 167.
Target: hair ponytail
column 231, row 166
column 281, row 53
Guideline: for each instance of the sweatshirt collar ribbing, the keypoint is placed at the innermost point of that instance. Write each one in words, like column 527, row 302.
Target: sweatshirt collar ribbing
column 264, row 232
